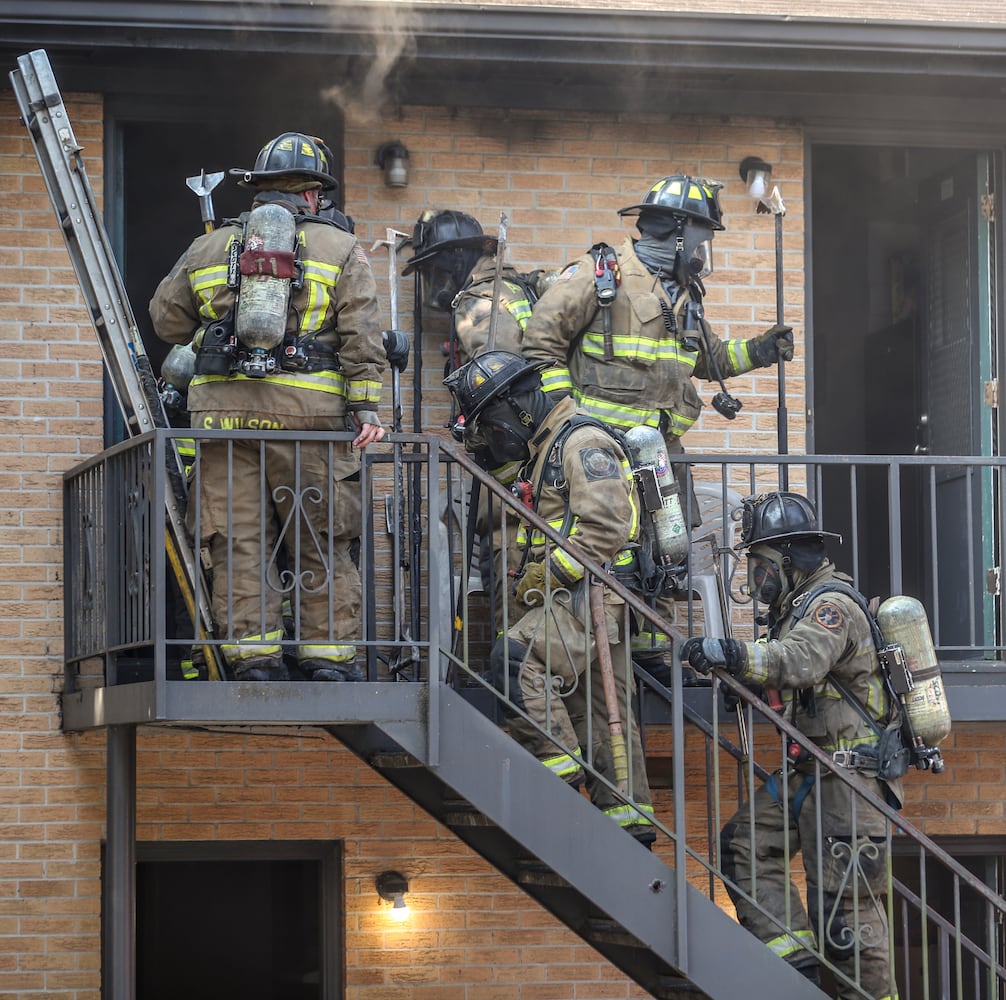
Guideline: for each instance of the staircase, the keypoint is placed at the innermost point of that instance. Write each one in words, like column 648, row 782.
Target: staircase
column 579, row 865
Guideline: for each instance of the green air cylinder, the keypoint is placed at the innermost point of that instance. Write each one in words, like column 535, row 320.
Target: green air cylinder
column 903, row 621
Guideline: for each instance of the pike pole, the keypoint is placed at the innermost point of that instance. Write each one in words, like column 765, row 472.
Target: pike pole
column 497, row 283
column 397, row 348
column 743, row 737
column 775, row 205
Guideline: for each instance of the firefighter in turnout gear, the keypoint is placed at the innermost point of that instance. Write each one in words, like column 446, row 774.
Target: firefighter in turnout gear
column 457, row 264
column 580, row 482
column 821, row 657
column 296, row 504
column 624, row 331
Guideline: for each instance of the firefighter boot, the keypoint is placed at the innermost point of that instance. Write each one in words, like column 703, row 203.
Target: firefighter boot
column 331, row 670
column 644, row 833
column 261, row 668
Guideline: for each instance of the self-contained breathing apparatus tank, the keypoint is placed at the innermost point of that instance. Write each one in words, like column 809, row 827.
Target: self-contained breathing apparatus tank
column 658, row 490
column 178, row 367
column 176, row 374
column 915, row 676
column 267, row 266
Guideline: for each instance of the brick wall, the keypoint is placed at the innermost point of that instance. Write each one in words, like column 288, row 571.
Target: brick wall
column 560, row 180
column 51, row 785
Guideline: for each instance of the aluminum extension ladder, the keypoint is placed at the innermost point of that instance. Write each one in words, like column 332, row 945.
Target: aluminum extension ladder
column 126, row 362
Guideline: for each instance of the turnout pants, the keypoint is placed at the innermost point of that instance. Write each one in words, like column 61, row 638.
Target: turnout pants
column 553, row 676
column 278, row 519
column 846, row 869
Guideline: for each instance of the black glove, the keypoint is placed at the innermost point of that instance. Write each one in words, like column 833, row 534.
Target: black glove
column 704, row 653
column 774, row 344
column 396, row 347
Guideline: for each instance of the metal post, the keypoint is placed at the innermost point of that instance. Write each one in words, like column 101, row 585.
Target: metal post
column 782, row 417
column 120, row 863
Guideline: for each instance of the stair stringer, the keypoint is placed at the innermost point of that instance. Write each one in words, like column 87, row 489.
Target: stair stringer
column 533, row 816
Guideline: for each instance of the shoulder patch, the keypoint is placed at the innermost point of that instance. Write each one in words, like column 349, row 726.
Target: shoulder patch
column 829, row 615
column 599, row 463
column 361, row 255
column 568, row 273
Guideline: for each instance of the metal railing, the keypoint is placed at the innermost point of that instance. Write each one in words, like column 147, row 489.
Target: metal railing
column 424, row 596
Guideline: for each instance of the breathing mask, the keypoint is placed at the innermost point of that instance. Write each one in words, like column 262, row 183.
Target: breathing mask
column 768, row 575
column 445, row 274
column 676, row 245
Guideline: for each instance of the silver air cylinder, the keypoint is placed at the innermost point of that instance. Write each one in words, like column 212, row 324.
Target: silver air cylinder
column 266, row 269
column 903, row 621
column 178, row 366
column 659, row 493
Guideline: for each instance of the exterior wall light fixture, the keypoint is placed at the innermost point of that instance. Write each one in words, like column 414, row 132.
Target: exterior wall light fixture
column 393, row 158
column 392, row 887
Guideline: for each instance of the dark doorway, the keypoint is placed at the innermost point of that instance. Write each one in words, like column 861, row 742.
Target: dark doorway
column 928, row 962
column 153, row 147
column 904, row 306
column 255, row 920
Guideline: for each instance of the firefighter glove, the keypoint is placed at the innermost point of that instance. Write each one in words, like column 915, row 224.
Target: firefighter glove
column 396, row 347
column 530, row 588
column 703, row 653
column 775, row 344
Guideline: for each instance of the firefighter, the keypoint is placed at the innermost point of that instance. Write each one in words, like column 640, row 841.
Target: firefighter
column 624, row 331
column 324, row 375
column 820, row 655
column 457, row 264
column 578, row 480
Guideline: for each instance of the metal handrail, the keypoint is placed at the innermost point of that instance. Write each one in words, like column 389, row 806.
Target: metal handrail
column 690, row 847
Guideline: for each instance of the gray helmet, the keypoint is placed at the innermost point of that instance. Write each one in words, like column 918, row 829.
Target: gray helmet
column 775, row 517
column 446, row 229
column 681, row 195
column 290, row 155
column 484, row 378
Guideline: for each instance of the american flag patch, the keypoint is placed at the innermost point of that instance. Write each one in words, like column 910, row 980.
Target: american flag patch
column 361, row 255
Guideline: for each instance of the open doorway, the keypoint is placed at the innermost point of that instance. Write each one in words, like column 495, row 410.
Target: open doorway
column 905, row 337
column 250, row 919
